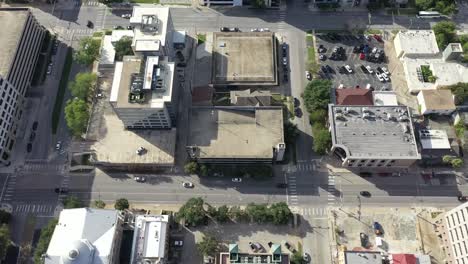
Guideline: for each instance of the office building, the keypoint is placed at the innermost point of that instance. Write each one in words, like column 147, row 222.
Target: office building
column 20, row 44
column 86, row 235
column 452, row 227
column 436, row 102
column 373, row 137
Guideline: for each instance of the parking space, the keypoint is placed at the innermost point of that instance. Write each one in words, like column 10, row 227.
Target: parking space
column 358, row 52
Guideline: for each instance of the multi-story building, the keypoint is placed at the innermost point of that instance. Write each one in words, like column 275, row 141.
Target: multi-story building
column 373, row 137
column 86, row 235
column 142, row 92
column 20, row 44
column 150, row 239
column 452, row 227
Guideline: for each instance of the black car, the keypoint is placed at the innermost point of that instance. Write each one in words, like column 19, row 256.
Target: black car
column 34, row 126
column 285, row 78
column 379, row 70
column 329, row 69
column 462, row 198
column 29, row 147
column 32, row 136
column 90, row 24
column 224, row 29
column 61, row 190
column 363, row 68
column 296, row 102
column 341, row 69
column 298, row 112
column 365, row 174
column 324, row 69
column 365, row 194
column 130, row 27
column 182, row 64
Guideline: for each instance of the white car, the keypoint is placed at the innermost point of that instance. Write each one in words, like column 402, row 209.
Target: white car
column 254, row 30
column 178, row 243
column 58, row 146
column 308, row 75
column 49, row 69
column 369, row 69
column 379, row 77
column 236, row 179
column 140, row 150
column 187, row 184
column 348, row 69
column 385, row 77
column 139, row 178
column 285, row 61
column 126, row 16
column 264, row 30
column 306, row 257
column 385, row 71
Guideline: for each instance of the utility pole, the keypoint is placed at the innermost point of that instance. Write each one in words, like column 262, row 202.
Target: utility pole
column 370, row 17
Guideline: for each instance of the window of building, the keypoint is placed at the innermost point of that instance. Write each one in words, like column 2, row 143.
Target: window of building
column 382, row 161
column 372, row 161
column 392, row 161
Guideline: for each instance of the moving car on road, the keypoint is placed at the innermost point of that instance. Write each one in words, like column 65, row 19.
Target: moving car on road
column 462, row 198
column 365, row 194
column 58, row 146
column 187, row 184
column 236, row 179
column 140, row 178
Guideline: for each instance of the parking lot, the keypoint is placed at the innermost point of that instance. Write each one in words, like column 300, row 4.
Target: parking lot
column 327, row 43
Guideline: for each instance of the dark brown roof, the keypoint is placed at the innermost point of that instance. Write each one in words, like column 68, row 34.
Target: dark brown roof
column 354, row 96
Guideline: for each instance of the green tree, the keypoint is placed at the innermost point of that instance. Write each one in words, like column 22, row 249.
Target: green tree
column 192, row 212
column 204, row 170
column 318, row 116
column 317, row 95
column 258, row 3
column 322, row 141
column 259, row 213
column 222, row 214
column 297, row 258
column 211, row 211
column 445, row 33
column 290, row 132
column 88, row 51
column 209, row 246
column 5, row 217
column 446, row 7
column 72, row 202
column 191, row 167
column 280, row 213
column 26, row 252
column 460, row 90
column 121, row 204
column 237, row 214
column 76, row 115
column 123, row 47
column 83, row 84
column 4, row 240
column 457, row 163
column 44, row 240
column 99, row 204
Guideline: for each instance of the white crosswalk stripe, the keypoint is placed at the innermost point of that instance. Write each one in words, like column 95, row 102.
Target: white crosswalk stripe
column 47, row 209
column 10, row 188
column 292, row 192
column 92, row 3
column 311, row 211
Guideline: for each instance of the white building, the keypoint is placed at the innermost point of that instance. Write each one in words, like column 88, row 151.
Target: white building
column 417, row 49
column 86, row 235
column 453, row 228
column 150, row 239
column 153, row 30
column 20, row 44
column 436, row 102
column 385, row 98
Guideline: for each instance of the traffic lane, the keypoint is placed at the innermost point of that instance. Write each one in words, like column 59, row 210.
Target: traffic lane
column 35, row 195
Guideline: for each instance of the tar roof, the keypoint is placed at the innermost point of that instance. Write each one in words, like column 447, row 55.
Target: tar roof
column 244, row 58
column 374, row 131
column 236, row 133
column 14, row 21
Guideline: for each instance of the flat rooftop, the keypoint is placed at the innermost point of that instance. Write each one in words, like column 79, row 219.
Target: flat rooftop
column 434, row 139
column 149, row 238
column 362, row 257
column 150, row 27
column 136, row 66
column 116, row 145
column 14, row 21
column 418, row 42
column 385, row 98
column 236, row 133
column 244, row 58
column 374, row 131
column 438, row 99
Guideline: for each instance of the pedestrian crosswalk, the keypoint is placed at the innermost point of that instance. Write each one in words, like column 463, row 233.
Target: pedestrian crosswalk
column 292, row 191
column 42, row 167
column 41, row 209
column 9, row 189
column 311, row 211
column 331, row 190
column 306, row 166
column 92, row 3
column 100, row 18
column 83, row 31
column 64, row 185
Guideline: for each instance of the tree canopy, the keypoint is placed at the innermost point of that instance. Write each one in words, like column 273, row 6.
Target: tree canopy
column 123, row 47
column 290, row 132
column 445, row 7
column 192, row 212
column 280, row 213
column 191, row 167
column 44, row 240
column 4, row 240
column 88, row 51
column 259, row 213
column 99, row 204
column 322, row 141
column 72, row 202
column 460, row 90
column 5, row 217
column 121, row 204
column 317, row 95
column 83, row 84
column 209, row 246
column 445, row 33
column 77, row 115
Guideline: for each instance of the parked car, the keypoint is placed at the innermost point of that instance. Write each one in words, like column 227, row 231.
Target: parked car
column 236, row 179
column 308, row 75
column 118, row 27
column 49, row 69
column 362, row 56
column 322, row 49
column 187, row 184
column 329, row 69
column 34, row 126
column 365, row 174
column 384, row 70
column 224, row 29
column 61, row 190
column 365, row 194
column 324, row 69
column 254, row 30
column 369, row 69
column 282, row 185
column 29, row 147
column 139, row 178
column 126, row 16
column 285, row 61
column 341, row 69
column 322, row 57
column 58, row 146
column 234, row 29
column 297, row 103
column 264, row 30
column 32, row 136
column 252, row 247
column 90, row 24
column 285, row 77
column 348, row 69
column 385, row 77
column 298, row 112
column 306, row 257
column 178, row 243
column 462, row 198
column 130, row 27
column 367, row 37
column 379, row 77
column 378, row 38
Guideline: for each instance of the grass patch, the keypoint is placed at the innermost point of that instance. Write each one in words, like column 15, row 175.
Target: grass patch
column 372, row 31
column 98, row 34
column 435, row 214
column 145, row 1
column 201, row 38
column 255, row 171
column 309, row 37
column 61, row 91
column 460, row 129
